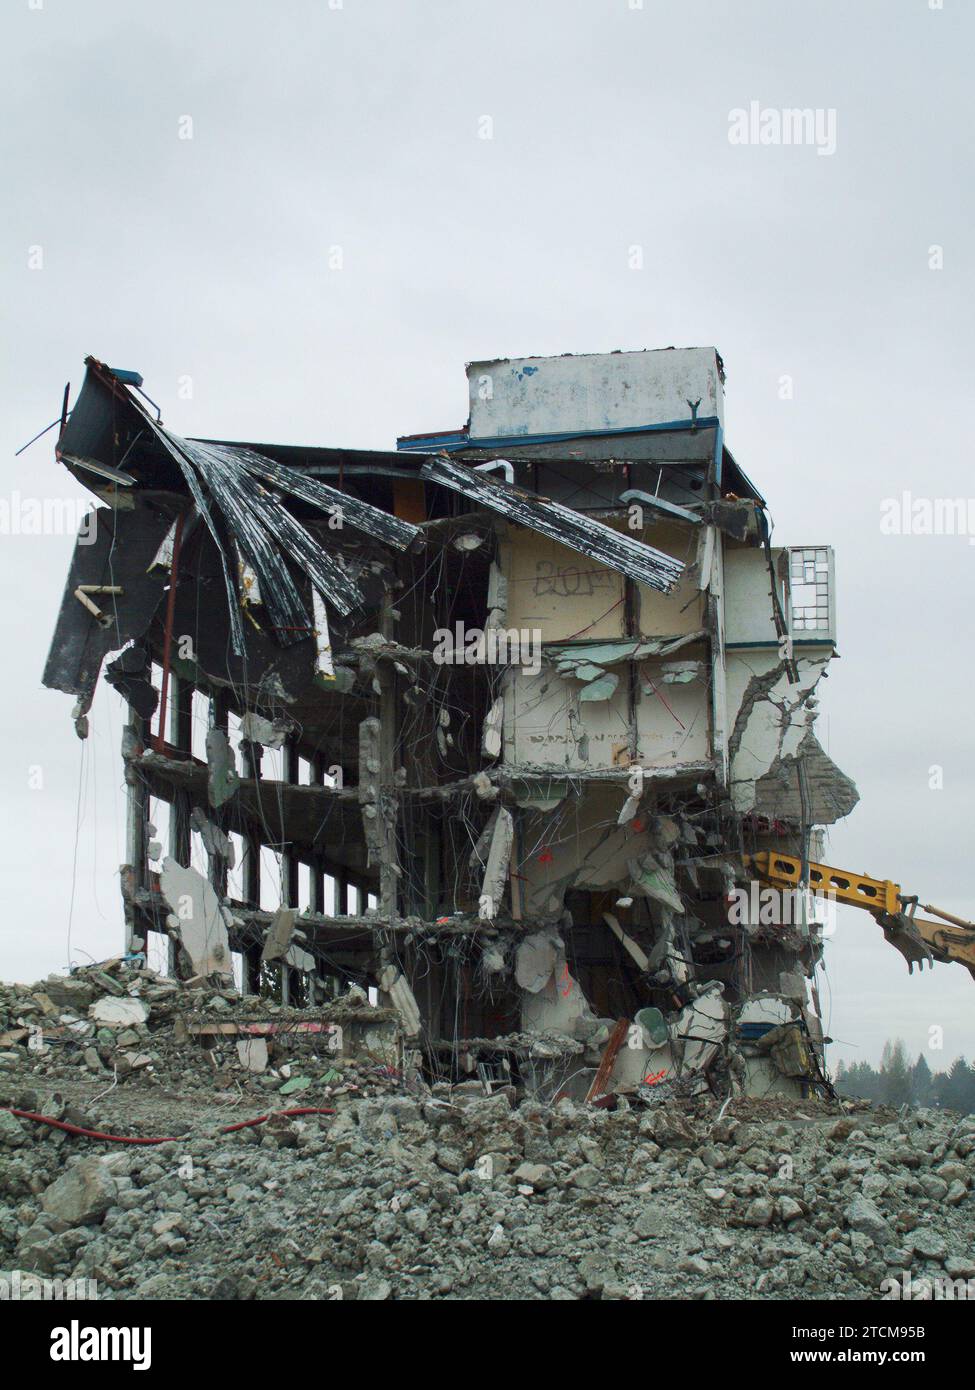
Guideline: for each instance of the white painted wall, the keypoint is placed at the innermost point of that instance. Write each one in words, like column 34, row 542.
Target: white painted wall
column 592, row 391
column 671, row 719
column 747, row 601
column 747, row 604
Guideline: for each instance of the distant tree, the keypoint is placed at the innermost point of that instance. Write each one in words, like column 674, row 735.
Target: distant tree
column 895, row 1075
column 860, row 1080
column 898, row 1083
column 958, row 1088
column 938, row 1083
column 922, row 1083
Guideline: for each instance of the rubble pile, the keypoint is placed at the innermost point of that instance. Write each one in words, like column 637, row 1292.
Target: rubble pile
column 405, row 1191
column 118, row 1021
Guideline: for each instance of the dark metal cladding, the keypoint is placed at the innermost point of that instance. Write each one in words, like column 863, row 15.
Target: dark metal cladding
column 589, row 537
column 119, row 553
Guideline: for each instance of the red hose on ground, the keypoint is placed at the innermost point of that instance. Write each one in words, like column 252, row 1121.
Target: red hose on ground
column 165, row 1139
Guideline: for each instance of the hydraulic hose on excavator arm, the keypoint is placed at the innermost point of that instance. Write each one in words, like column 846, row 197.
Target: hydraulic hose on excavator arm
column 917, row 938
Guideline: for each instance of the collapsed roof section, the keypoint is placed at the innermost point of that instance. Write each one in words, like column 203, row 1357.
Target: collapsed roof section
column 111, row 435
column 245, row 498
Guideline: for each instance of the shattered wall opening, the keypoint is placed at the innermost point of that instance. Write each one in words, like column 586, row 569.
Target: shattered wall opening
column 493, row 724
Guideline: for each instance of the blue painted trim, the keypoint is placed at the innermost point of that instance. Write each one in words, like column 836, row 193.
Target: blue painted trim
column 463, row 440
column 796, row 642
column 457, row 439
column 127, row 377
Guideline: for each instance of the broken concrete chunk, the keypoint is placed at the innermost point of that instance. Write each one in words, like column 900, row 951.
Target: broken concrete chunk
column 492, row 960
column 760, row 1212
column 216, row 843
column 928, row 1245
column 278, row 937
column 119, row 1013
column 602, row 688
column 863, row 1216
column 252, row 1053
column 703, row 1027
column 105, row 981
column 628, row 810
column 300, row 960
column 222, row 776
column 484, row 787
column 652, row 877
column 491, row 737
column 535, row 961
column 12, row 1132
column 393, row 982
column 270, row 733
column 681, row 672
column 68, row 992
column 200, row 920
column 137, row 1061
column 83, row 1194
column 501, row 840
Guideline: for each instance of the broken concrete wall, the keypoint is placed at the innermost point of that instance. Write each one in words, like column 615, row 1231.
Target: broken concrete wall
column 770, row 717
column 605, row 706
column 553, row 1001
column 552, row 722
column 581, row 844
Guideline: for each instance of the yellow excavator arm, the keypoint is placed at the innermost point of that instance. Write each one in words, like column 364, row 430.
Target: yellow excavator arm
column 918, row 939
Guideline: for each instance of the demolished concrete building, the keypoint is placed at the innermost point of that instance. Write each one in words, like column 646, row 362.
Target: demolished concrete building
column 490, row 724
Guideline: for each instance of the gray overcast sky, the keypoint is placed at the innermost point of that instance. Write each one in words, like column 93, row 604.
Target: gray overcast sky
column 316, row 126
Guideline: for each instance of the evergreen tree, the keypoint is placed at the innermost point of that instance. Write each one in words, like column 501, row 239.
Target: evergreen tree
column 895, row 1076
column 939, row 1082
column 922, row 1083
column 959, row 1087
column 861, row 1081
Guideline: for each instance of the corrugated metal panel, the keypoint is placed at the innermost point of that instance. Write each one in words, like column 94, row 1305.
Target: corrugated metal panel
column 192, row 482
column 254, row 519
column 326, row 574
column 263, row 527
column 262, row 550
column 362, row 516
column 614, row 549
